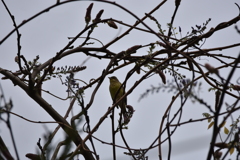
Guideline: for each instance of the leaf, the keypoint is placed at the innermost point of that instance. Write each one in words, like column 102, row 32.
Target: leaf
column 211, row 124
column 226, row 131
column 222, row 124
column 231, row 150
column 206, row 115
column 209, row 120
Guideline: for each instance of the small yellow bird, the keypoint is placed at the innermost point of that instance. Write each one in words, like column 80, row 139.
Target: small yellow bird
column 113, row 88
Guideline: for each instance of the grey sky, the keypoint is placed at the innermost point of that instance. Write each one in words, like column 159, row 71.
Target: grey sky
column 47, row 34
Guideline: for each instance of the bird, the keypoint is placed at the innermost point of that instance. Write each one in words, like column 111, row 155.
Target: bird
column 117, row 93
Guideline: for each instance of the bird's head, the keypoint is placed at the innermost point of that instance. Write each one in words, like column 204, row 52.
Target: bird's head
column 113, row 79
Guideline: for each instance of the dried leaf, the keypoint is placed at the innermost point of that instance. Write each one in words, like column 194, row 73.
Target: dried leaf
column 112, row 24
column 221, row 145
column 88, row 13
column 138, row 70
column 133, row 49
column 217, row 97
column 217, row 154
column 177, row 2
column 190, row 64
column 211, row 69
column 236, row 87
column 162, row 75
column 98, row 16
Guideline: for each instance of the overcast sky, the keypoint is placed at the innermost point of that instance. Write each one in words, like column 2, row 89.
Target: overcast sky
column 47, row 34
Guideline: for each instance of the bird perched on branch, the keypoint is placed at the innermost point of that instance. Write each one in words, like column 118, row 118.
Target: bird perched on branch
column 117, row 91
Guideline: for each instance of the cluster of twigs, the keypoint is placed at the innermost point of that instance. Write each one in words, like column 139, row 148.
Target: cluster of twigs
column 168, row 54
